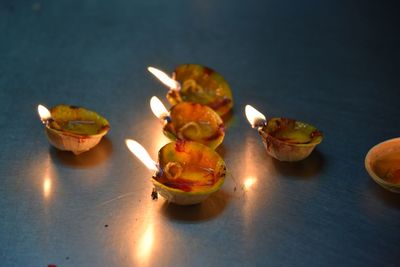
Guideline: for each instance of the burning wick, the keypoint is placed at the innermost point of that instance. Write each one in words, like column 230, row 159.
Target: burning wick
column 159, row 109
column 165, row 79
column 140, row 152
column 255, row 117
column 44, row 114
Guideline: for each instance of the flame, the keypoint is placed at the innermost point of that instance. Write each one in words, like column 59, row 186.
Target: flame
column 165, row 79
column 140, row 152
column 255, row 117
column 44, row 113
column 158, row 108
column 249, row 182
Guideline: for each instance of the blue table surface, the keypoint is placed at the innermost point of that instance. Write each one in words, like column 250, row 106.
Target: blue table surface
column 334, row 64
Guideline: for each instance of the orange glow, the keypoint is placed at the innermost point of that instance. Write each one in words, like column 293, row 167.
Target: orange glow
column 158, row 108
column 44, row 113
column 48, row 179
column 249, row 182
column 254, row 117
column 146, row 244
column 47, row 187
column 164, row 78
column 140, row 152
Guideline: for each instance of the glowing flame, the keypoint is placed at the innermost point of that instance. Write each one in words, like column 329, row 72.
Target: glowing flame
column 255, row 117
column 158, row 108
column 165, row 79
column 249, row 182
column 44, row 113
column 140, row 152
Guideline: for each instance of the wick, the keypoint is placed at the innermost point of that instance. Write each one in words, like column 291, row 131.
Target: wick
column 167, row 118
column 46, row 121
column 159, row 172
column 259, row 123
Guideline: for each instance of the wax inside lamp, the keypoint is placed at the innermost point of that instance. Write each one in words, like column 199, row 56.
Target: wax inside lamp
column 388, row 167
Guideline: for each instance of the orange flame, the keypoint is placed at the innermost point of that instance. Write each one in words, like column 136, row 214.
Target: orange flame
column 44, row 113
column 255, row 118
column 158, row 108
column 140, row 152
column 165, row 79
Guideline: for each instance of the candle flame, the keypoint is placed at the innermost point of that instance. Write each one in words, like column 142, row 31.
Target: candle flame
column 255, row 117
column 44, row 113
column 158, row 108
column 165, row 79
column 140, row 152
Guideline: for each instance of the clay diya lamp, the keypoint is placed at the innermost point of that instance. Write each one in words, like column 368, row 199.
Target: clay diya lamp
column 383, row 164
column 187, row 172
column 71, row 128
column 191, row 122
column 284, row 139
column 197, row 84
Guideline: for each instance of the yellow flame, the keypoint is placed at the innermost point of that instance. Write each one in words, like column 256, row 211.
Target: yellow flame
column 254, row 116
column 44, row 113
column 164, row 78
column 158, row 108
column 140, row 152
column 249, row 182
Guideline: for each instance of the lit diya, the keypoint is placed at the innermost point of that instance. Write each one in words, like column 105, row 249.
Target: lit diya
column 284, row 139
column 383, row 164
column 197, row 84
column 73, row 128
column 186, row 173
column 190, row 121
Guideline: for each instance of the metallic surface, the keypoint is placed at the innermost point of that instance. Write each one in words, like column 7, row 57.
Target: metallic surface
column 334, row 64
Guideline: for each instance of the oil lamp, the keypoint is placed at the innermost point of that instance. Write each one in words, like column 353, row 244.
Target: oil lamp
column 284, row 139
column 383, row 164
column 191, row 122
column 73, row 128
column 186, row 173
column 197, row 84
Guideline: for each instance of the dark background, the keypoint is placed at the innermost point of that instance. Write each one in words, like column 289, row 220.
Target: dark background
column 334, row 64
